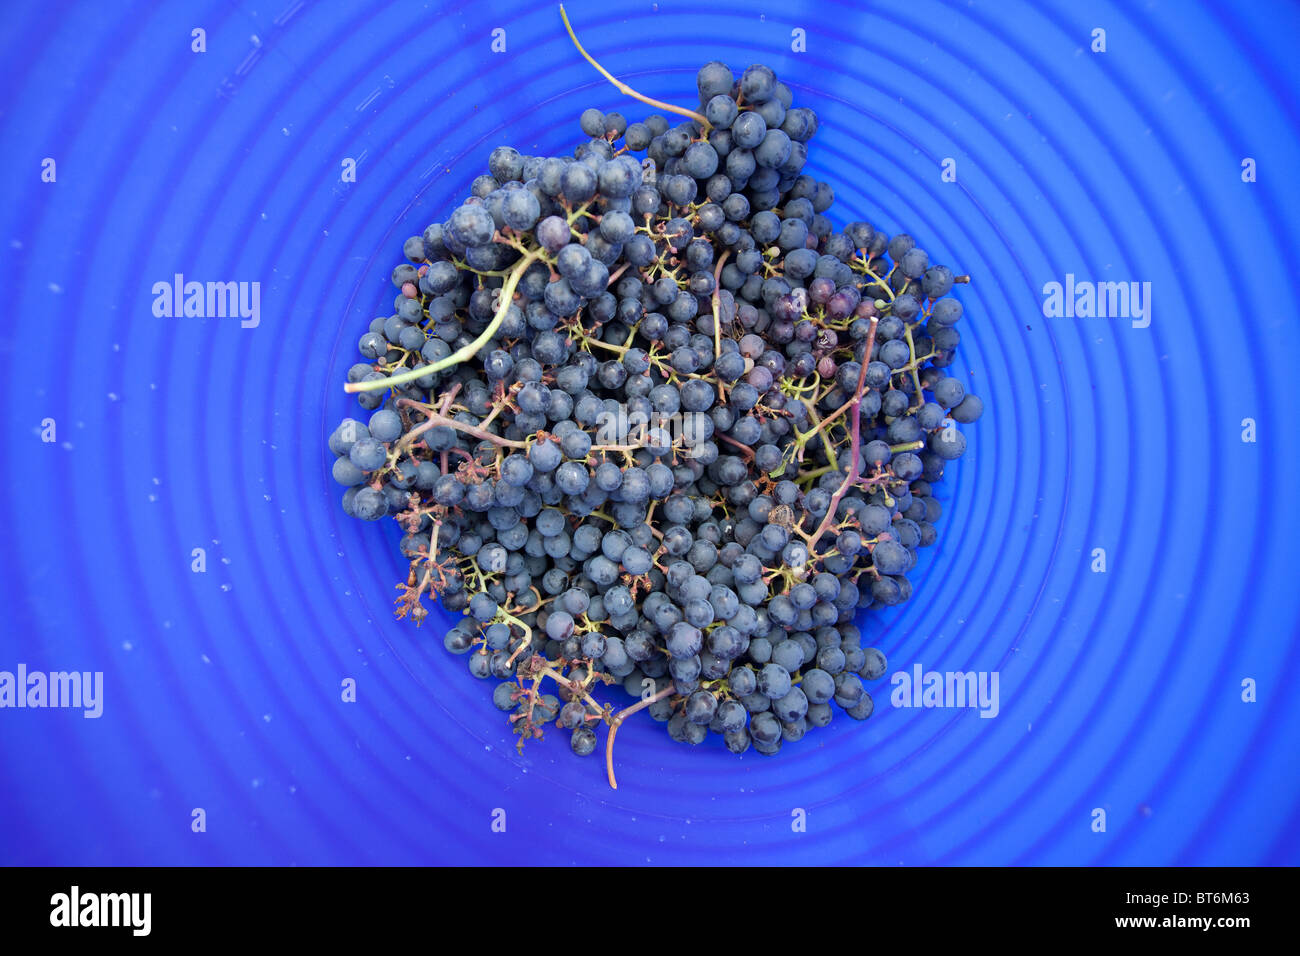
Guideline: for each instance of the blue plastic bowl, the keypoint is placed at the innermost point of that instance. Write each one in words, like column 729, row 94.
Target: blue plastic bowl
column 1119, row 690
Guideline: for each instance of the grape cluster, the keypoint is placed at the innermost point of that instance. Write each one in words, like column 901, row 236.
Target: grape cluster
column 656, row 422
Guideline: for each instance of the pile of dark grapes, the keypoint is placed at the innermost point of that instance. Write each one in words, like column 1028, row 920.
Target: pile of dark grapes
column 656, row 422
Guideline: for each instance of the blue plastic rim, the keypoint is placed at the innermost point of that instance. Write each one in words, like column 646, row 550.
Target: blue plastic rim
column 1155, row 691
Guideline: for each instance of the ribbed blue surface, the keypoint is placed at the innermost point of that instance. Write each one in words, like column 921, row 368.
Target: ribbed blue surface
column 1118, row 690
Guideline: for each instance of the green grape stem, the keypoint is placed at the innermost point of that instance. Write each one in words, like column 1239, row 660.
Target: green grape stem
column 462, row 354
column 624, row 88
